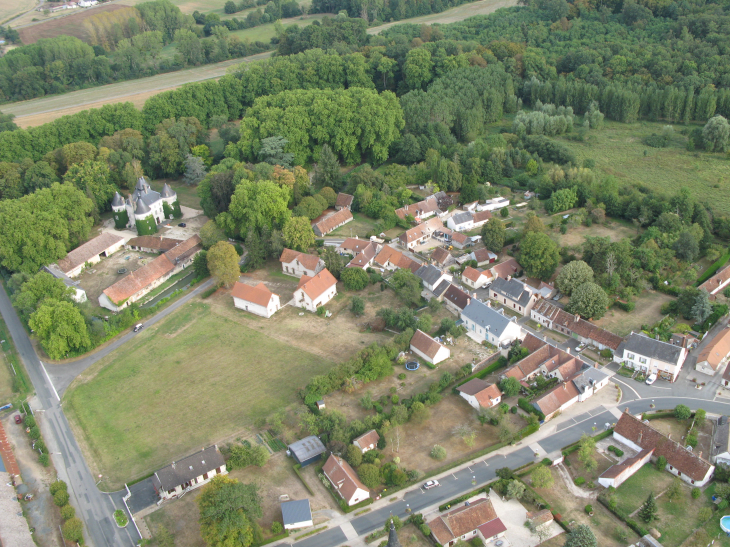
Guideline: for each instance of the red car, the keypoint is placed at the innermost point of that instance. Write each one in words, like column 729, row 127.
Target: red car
column 18, row 419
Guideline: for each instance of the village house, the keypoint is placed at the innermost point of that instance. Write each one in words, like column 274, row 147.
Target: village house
column 471, row 207
column 638, row 435
column 476, row 279
column 420, row 211
column 145, row 205
column 307, row 450
column 617, row 474
column 714, row 354
column 151, row 244
column 684, row 341
column 345, row 481
column 539, row 519
column 553, row 317
column 480, row 394
column 460, row 222
column 429, row 349
column 443, row 201
column 258, row 299
column 344, row 201
column 455, row 299
column 352, row 246
column 461, row 241
column 480, row 218
column 79, row 293
column 508, row 268
column 483, row 256
column 296, row 514
column 332, row 222
column 717, row 282
column 493, row 204
column 298, row 264
column 514, row 294
column 138, row 283
column 390, row 259
column 189, row 473
column 726, row 377
column 418, row 235
column 315, row 291
column 545, row 359
column 485, row 324
column 478, row 519
column 557, row 399
column 432, row 276
column 721, row 442
column 89, row 253
column 441, row 257
column 364, row 258
column 367, row 441
column 651, row 356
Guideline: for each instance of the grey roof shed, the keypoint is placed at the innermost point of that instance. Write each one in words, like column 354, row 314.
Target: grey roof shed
column 307, row 450
column 296, row 512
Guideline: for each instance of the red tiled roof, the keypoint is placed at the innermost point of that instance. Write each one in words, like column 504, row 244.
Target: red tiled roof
column 315, row 286
column 555, row 398
column 396, row 258
column 677, row 456
column 458, row 237
column 577, row 325
column 425, row 344
column 484, row 255
column 480, row 216
column 344, row 200
column 423, row 229
column 366, row 439
column 365, row 256
column 538, row 518
column 328, row 224
column 259, row 294
column 714, row 283
column 153, row 242
column 88, row 250
column 343, row 477
column 487, row 395
column 310, row 262
column 354, row 245
column 462, row 520
column 472, row 274
column 494, row 527
column 440, row 255
column 429, row 205
column 716, row 350
column 508, row 267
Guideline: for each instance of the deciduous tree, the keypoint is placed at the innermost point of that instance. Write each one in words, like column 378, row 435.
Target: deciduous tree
column 539, row 255
column 573, row 275
column 588, row 300
column 542, row 477
column 493, row 233
column 60, row 327
column 223, row 263
column 227, row 509
column 581, row 536
column 355, row 279
column 298, row 233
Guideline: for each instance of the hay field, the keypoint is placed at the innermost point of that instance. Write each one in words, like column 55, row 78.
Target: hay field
column 70, row 25
column 12, row 8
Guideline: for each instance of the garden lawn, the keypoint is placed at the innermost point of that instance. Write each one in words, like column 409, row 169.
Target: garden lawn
column 185, row 383
column 359, row 226
column 632, row 493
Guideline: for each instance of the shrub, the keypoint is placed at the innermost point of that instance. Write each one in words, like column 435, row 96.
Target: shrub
column 682, row 412
column 546, row 462
column 589, row 509
column 29, row 421
column 606, row 353
column 438, row 452
column 661, row 463
column 34, row 433
column 276, row 527
column 68, row 512
column 73, row 530
column 57, row 486
column 513, row 409
column 425, row 530
column 44, row 460
column 696, row 493
column 722, row 505
column 692, row 440
column 616, row 450
column 61, row 498
column 579, row 481
column 402, row 376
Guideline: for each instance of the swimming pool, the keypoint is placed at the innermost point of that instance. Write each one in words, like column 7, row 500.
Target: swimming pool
column 725, row 524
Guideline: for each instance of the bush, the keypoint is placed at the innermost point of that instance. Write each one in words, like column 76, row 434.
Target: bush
column 616, row 450
column 722, row 505
column 589, row 509
column 58, row 485
column 44, row 460
column 438, row 452
column 68, row 512
column 29, row 421
column 606, row 353
column 34, row 433
column 661, row 463
column 425, row 530
column 513, row 409
column 73, row 530
column 696, row 493
column 61, row 498
column 579, row 481
column 276, row 527
column 682, row 412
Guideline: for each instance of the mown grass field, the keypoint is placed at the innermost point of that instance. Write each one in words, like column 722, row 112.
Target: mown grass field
column 264, row 33
column 618, row 150
column 175, row 389
column 13, row 8
column 359, row 226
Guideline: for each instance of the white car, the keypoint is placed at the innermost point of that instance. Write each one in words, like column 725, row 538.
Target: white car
column 651, row 379
column 580, row 348
column 430, row 484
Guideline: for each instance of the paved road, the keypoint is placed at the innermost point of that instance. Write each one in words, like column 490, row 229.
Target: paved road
column 92, row 506
column 63, row 375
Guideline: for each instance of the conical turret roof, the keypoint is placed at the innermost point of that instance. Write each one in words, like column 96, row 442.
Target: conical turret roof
column 167, row 192
column 142, row 208
column 117, row 200
column 393, row 540
column 141, row 184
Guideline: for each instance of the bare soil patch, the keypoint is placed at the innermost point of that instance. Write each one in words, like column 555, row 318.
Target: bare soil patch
column 71, row 25
column 576, row 235
column 103, row 274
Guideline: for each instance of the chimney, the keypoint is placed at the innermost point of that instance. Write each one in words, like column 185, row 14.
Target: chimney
column 567, row 350
column 641, row 434
column 509, row 277
column 565, row 385
column 468, row 301
column 577, row 317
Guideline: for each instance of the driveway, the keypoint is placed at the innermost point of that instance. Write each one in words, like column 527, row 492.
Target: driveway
column 513, row 515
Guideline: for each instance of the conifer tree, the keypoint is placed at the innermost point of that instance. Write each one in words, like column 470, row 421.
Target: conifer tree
column 648, row 511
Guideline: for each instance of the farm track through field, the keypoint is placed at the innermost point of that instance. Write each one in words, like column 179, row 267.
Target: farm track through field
column 45, row 109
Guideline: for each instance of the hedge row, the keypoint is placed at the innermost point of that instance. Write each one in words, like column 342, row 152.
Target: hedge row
column 631, row 523
column 525, row 405
column 709, row 272
column 489, row 369
column 297, row 467
column 576, row 445
column 625, row 306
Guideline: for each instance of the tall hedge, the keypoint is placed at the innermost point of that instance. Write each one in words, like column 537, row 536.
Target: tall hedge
column 146, row 227
column 121, row 219
column 176, row 211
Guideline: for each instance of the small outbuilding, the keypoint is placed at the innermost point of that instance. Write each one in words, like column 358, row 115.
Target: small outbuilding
column 296, row 514
column 307, row 450
column 367, row 441
column 429, row 349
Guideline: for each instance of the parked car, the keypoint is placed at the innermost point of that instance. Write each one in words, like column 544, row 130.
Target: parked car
column 580, row 348
column 182, row 225
column 18, row 419
column 138, row 327
column 651, row 379
column 430, row 484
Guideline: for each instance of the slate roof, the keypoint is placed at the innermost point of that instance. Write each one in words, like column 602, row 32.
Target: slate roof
column 508, row 267
column 167, row 192
column 486, row 316
column 425, row 344
column 616, row 470
column 645, row 436
column 555, row 398
column 307, row 448
column 462, row 520
column 117, row 200
column 457, row 297
column 576, row 324
column 296, row 511
column 718, row 348
column 185, row 470
column 259, row 295
column 513, row 289
column 429, row 273
column 88, row 250
column 344, row 200
column 393, row 540
column 440, row 289
column 342, row 477
column 310, row 262
column 462, row 218
column 473, row 386
column 153, row 242
column 142, row 207
column 328, row 224
column 315, row 286
column 366, row 439
column 440, row 255
column 649, row 347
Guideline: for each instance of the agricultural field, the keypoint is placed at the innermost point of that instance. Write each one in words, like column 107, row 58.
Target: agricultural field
column 264, row 33
column 618, row 150
column 164, row 395
column 71, row 24
column 12, row 8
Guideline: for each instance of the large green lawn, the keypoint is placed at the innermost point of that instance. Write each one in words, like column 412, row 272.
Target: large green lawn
column 187, row 382
column 618, row 150
column 359, row 226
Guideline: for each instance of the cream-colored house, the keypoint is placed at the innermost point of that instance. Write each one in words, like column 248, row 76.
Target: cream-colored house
column 476, row 279
column 258, row 299
column 429, row 349
column 345, row 481
column 189, row 473
column 651, row 356
column 90, row 252
column 315, row 291
column 714, row 354
column 298, row 264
